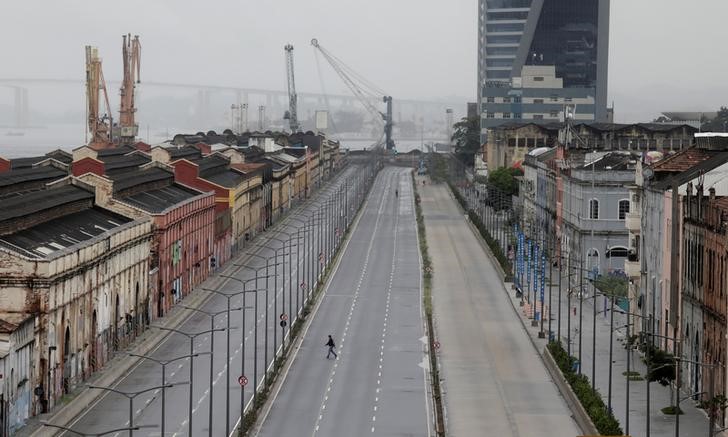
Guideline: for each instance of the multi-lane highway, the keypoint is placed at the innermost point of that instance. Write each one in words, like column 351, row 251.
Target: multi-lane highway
column 314, row 230
column 372, row 308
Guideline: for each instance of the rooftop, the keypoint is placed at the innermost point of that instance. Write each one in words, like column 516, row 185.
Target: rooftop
column 118, row 163
column 29, row 174
column 683, row 160
column 33, row 202
column 129, row 179
column 227, row 178
column 42, row 240
column 156, row 201
column 613, row 161
column 28, row 162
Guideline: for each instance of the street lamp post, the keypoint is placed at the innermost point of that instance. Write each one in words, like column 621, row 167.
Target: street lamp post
column 131, row 395
column 242, row 335
column 227, row 297
column 163, row 364
column 191, row 337
column 212, row 316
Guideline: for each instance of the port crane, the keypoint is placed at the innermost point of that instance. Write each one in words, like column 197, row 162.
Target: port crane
column 98, row 125
column 131, row 53
column 292, row 114
column 365, row 92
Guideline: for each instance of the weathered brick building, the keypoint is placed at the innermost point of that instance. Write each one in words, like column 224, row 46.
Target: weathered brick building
column 81, row 270
column 704, row 297
column 183, row 223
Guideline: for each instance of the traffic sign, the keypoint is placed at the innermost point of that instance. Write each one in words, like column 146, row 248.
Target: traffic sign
column 243, row 380
column 303, row 285
column 283, row 323
column 284, row 316
column 436, row 344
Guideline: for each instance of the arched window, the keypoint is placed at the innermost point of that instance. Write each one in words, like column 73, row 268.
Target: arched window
column 594, row 209
column 623, row 208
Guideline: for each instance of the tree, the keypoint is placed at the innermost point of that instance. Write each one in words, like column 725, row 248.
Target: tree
column 504, row 180
column 466, row 136
column 718, row 124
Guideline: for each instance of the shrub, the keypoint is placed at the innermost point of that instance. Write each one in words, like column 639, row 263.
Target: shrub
column 591, row 400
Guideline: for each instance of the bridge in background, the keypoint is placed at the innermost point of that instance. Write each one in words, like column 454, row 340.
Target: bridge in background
column 209, row 98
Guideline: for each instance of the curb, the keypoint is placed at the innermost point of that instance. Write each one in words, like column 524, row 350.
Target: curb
column 580, row 415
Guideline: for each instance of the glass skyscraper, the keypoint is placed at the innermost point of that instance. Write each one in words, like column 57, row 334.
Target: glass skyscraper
column 547, row 53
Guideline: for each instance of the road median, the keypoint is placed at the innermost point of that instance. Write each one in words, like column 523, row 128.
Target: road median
column 427, row 273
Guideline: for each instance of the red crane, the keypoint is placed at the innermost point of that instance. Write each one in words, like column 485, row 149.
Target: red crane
column 131, row 52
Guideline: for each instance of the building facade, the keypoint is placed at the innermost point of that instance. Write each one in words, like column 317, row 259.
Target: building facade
column 82, row 271
column 570, row 36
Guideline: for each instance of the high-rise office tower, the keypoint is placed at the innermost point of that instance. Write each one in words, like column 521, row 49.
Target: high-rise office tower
column 541, row 59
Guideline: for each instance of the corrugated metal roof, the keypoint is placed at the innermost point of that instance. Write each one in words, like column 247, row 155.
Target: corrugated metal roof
column 27, row 174
column 156, row 201
column 44, row 239
column 226, row 178
column 135, row 177
column 36, row 201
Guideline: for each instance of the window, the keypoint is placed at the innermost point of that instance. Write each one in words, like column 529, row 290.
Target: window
column 554, row 114
column 506, row 100
column 623, row 209
column 517, row 115
column 490, row 99
column 517, row 99
column 567, row 99
column 538, row 116
column 506, row 115
column 594, row 209
column 554, row 98
column 538, row 79
column 490, row 115
column 617, row 251
column 538, row 101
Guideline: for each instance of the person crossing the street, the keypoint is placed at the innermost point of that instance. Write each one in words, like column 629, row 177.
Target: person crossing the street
column 331, row 346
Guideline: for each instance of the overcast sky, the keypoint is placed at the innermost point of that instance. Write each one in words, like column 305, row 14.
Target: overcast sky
column 664, row 54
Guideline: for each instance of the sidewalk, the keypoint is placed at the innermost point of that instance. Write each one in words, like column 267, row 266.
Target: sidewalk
column 693, row 422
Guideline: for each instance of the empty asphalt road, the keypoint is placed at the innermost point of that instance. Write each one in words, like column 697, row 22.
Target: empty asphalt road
column 372, row 308
column 494, row 380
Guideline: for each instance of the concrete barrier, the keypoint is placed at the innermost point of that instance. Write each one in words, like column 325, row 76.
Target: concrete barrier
column 580, row 415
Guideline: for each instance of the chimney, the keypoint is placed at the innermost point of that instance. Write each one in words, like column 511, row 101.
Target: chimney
column 143, row 147
column 4, row 164
column 204, row 148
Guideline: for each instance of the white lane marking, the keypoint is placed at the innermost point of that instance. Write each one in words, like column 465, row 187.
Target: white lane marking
column 353, row 304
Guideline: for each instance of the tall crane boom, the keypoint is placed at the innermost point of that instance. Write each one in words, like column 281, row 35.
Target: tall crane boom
column 292, row 113
column 131, row 53
column 365, row 91
column 98, row 125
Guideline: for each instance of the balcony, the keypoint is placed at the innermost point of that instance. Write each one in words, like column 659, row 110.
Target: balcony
column 632, row 268
column 632, row 222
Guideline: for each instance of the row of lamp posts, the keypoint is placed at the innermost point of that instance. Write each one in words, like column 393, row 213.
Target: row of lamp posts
column 319, row 234
column 499, row 229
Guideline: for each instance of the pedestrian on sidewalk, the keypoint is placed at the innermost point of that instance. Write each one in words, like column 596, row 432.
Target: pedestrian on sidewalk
column 331, row 346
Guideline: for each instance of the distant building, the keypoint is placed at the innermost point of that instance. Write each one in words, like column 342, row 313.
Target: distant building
column 509, row 143
column 544, row 56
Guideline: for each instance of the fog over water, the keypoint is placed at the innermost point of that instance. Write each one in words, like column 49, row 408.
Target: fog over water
column 665, row 55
